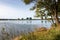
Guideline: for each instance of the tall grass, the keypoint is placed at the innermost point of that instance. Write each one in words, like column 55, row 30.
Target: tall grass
column 38, row 34
column 8, row 35
column 41, row 34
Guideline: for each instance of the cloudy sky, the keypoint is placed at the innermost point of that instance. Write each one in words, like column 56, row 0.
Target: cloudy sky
column 15, row 9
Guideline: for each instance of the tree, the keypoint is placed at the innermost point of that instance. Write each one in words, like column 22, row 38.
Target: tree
column 27, row 18
column 30, row 18
column 59, row 7
column 22, row 18
column 41, row 6
column 18, row 18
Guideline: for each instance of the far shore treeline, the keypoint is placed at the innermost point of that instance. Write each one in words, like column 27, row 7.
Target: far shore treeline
column 27, row 19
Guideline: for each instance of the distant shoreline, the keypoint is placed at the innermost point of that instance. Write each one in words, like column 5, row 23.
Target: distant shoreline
column 24, row 19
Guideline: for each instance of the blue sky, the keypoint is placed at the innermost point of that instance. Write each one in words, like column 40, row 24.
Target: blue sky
column 15, row 9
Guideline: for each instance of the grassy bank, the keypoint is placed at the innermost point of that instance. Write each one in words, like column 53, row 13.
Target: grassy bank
column 41, row 34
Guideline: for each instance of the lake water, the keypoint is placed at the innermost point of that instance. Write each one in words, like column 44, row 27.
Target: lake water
column 18, row 26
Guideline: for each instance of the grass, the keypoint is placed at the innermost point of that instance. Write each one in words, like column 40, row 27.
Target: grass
column 5, row 35
column 41, row 34
column 38, row 34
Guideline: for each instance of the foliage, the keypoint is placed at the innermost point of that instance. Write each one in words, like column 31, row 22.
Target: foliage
column 49, row 34
column 27, row 1
column 49, row 5
column 45, row 8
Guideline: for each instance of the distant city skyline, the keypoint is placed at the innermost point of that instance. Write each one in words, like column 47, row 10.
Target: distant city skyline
column 13, row 9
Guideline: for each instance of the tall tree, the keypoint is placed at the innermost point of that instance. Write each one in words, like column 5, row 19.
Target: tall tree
column 41, row 6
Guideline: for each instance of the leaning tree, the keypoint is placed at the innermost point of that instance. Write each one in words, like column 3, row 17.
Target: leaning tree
column 45, row 8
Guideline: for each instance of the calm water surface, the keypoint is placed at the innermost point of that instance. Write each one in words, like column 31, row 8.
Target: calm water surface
column 23, row 25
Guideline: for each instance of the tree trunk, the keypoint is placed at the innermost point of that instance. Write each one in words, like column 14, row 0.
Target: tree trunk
column 56, row 17
column 56, row 13
column 52, row 19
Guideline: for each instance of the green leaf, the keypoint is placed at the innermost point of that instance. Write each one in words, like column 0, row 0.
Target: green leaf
column 27, row 1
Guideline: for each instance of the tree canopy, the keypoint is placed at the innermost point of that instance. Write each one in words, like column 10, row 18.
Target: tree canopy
column 45, row 8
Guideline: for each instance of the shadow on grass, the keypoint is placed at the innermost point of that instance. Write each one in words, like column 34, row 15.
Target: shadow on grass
column 57, row 37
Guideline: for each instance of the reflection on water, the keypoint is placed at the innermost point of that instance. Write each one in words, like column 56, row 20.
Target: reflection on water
column 16, row 27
